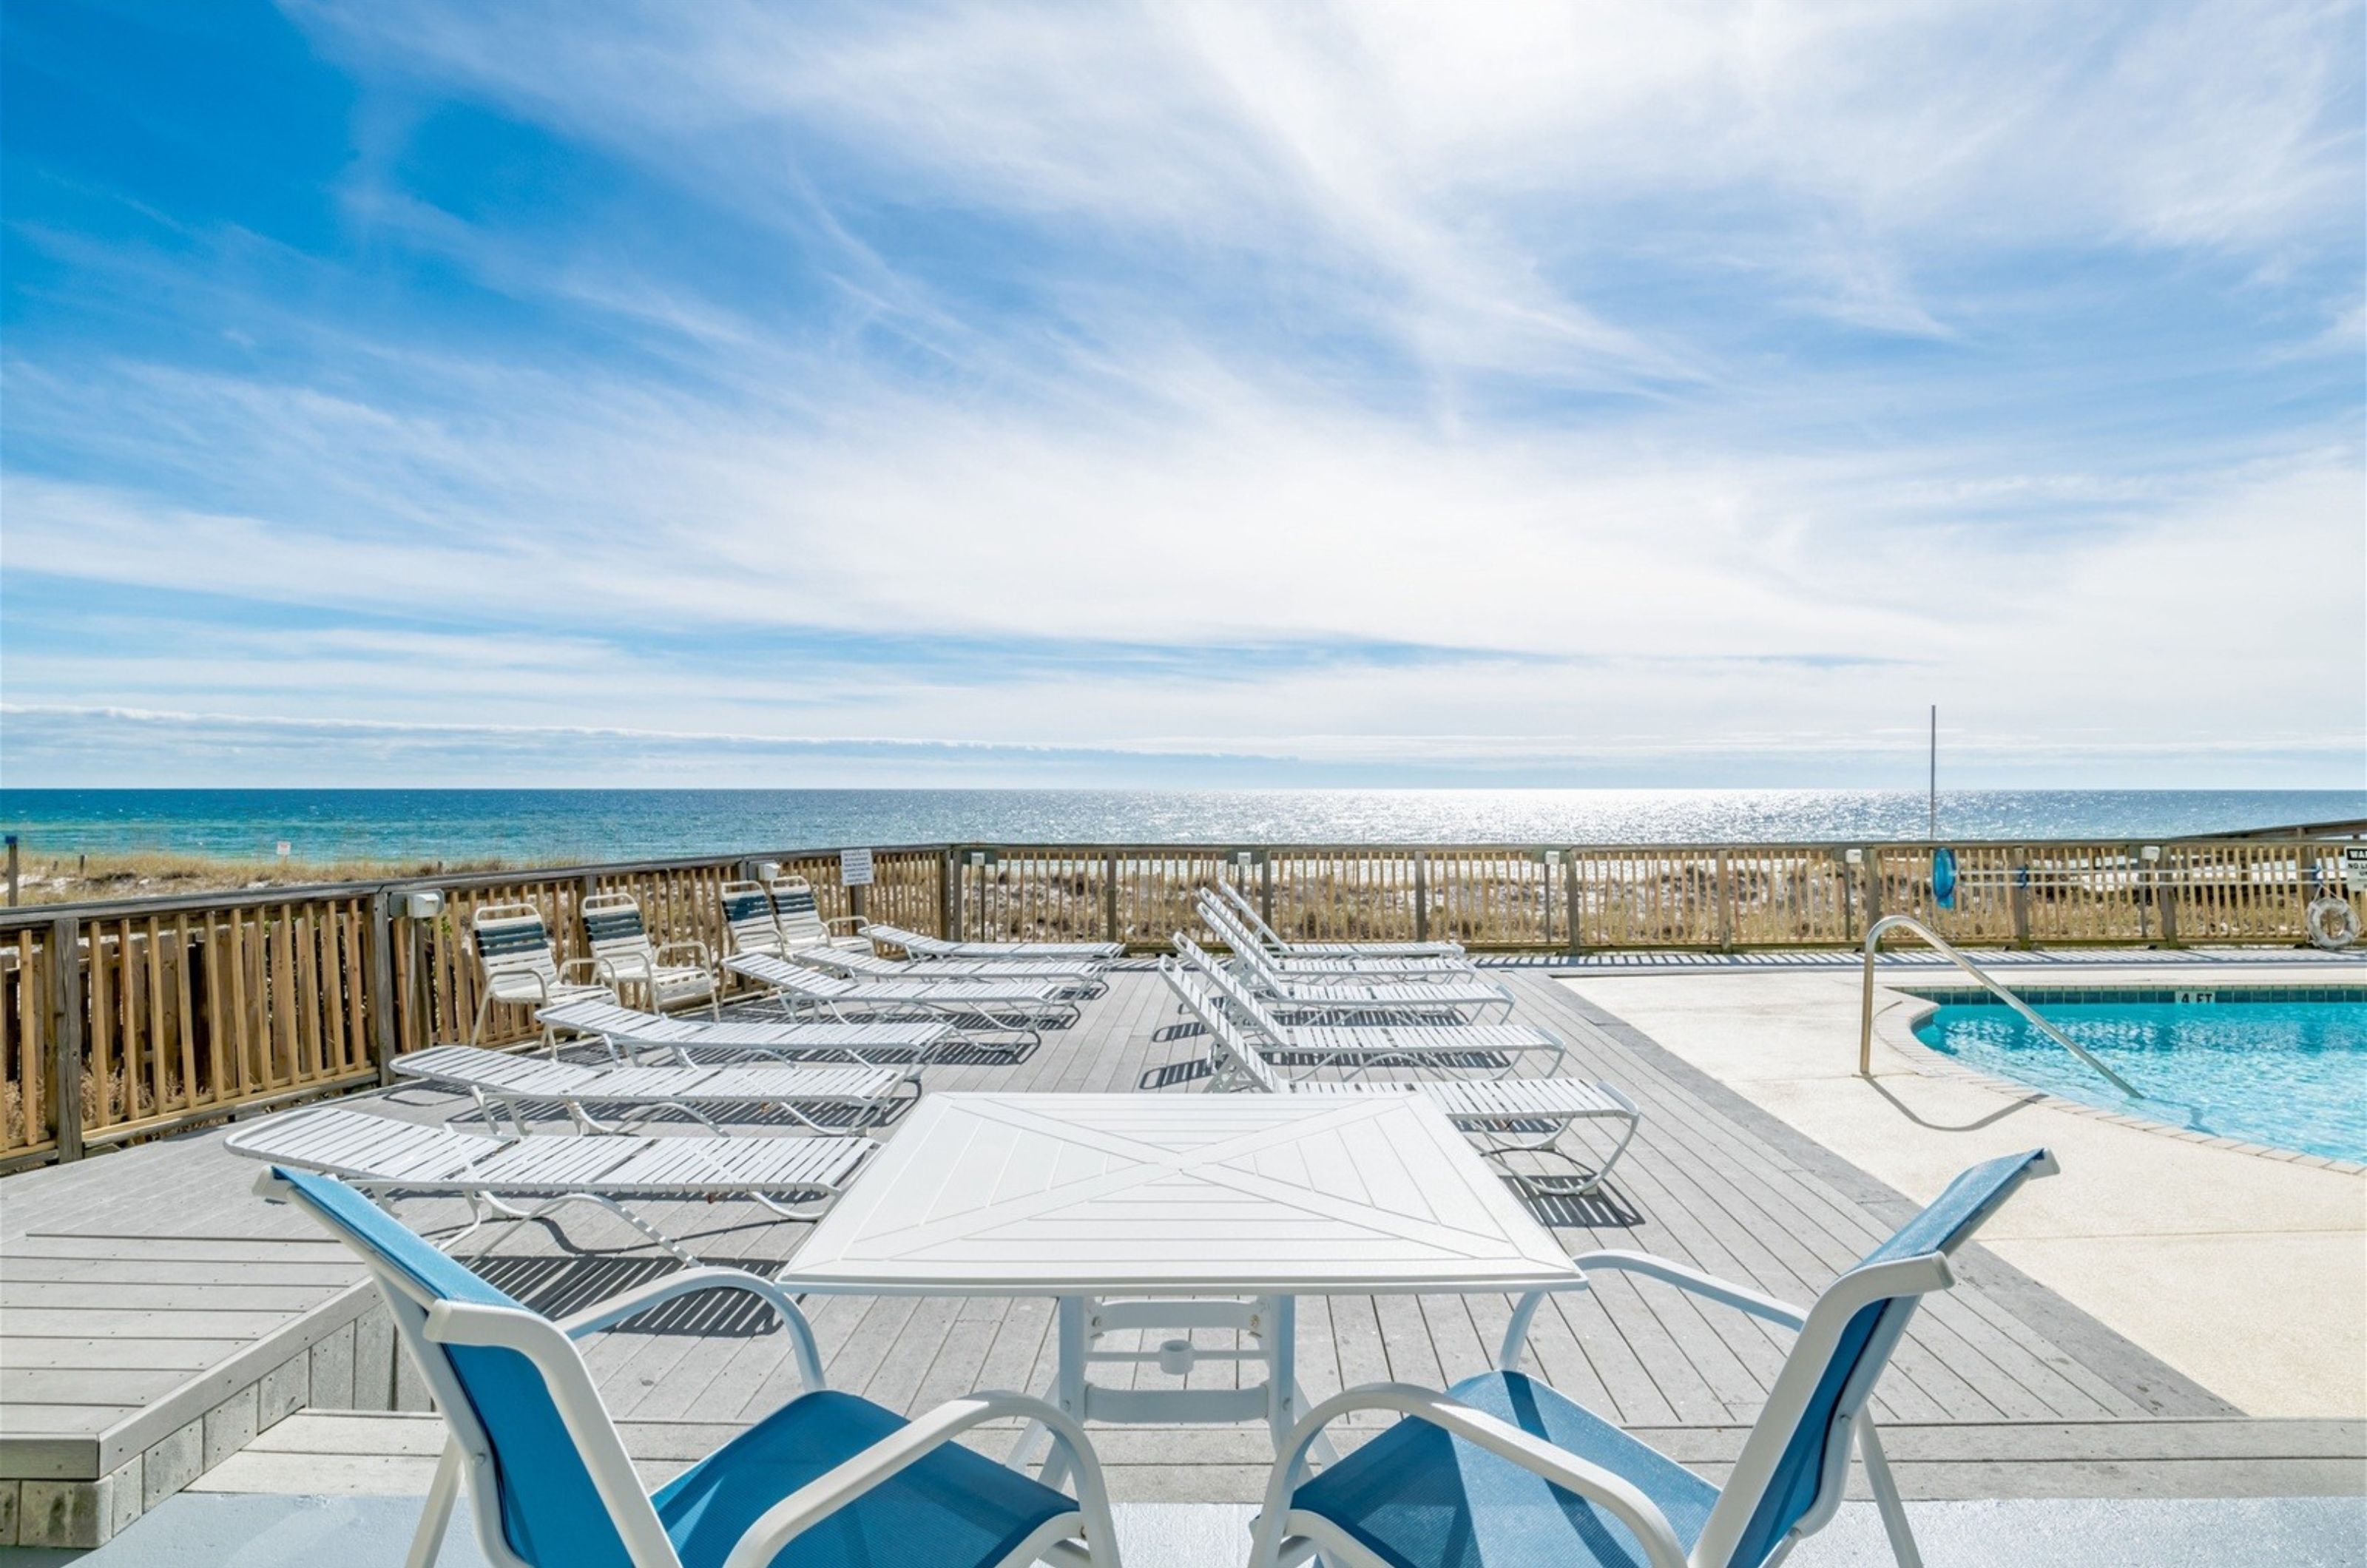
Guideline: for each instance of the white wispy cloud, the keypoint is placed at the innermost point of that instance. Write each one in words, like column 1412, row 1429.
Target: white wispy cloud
column 1599, row 381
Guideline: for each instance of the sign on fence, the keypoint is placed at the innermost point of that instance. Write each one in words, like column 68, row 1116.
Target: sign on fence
column 854, row 868
column 2354, row 868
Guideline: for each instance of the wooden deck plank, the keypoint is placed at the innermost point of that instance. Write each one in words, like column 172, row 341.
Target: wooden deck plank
column 158, row 1262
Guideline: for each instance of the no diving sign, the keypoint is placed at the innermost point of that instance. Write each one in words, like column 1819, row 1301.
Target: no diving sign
column 2354, row 868
column 854, row 868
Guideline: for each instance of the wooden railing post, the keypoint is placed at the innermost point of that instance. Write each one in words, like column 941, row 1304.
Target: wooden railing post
column 65, row 1033
column 573, row 940
column 1265, row 888
column 1421, row 896
column 1569, row 890
column 945, row 893
column 2021, row 896
column 2163, row 891
column 1109, row 896
column 1545, row 897
column 1725, row 907
column 381, row 985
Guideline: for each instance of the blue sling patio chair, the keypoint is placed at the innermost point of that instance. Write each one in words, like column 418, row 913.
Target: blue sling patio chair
column 827, row 1481
column 1500, row 1472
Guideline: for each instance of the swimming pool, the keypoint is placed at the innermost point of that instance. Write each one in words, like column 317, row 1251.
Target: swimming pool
column 2283, row 1066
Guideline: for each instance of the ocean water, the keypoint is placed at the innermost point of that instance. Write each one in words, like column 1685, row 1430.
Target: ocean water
column 601, row 825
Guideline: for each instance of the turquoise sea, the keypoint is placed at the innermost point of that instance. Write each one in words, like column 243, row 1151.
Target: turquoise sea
column 596, row 825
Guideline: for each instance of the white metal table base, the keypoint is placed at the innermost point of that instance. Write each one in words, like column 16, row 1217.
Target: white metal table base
column 1269, row 1324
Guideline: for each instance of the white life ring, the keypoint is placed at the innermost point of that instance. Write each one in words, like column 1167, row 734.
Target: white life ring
column 2332, row 923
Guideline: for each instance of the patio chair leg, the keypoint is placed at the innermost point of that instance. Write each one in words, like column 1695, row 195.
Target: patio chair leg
column 437, row 1517
column 1023, row 1453
column 1069, row 1383
column 1516, row 1332
column 1886, row 1495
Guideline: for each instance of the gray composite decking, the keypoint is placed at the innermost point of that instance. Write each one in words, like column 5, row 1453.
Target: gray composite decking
column 137, row 1283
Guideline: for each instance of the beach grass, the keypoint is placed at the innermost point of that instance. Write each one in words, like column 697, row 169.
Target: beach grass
column 58, row 878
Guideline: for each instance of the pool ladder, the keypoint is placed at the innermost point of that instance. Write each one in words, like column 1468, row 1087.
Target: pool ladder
column 1873, row 936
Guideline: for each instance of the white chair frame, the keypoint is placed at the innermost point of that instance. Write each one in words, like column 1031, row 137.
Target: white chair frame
column 639, row 960
column 529, row 978
column 426, row 1324
column 1284, row 1535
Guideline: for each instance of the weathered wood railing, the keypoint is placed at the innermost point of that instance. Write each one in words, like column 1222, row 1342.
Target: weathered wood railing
column 154, row 1014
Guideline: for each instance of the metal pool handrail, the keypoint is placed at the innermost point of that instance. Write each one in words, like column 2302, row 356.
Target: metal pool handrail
column 1873, row 936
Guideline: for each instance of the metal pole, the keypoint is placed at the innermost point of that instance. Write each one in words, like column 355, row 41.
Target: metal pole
column 1934, row 796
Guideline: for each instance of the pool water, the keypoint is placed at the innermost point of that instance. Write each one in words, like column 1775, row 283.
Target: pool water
column 2289, row 1073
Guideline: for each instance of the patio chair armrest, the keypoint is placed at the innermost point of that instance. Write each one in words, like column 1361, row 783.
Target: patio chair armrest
column 853, row 923
column 1694, row 1283
column 690, row 944
column 617, row 966
column 497, row 979
column 689, row 1282
column 823, row 1495
column 1621, row 1497
column 591, row 966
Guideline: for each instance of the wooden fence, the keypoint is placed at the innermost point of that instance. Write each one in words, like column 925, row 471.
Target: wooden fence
column 154, row 1014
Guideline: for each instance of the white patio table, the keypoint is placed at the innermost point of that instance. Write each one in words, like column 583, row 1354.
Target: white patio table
column 1170, row 1205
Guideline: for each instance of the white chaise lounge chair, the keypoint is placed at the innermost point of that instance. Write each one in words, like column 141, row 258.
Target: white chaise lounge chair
column 498, row 1081
column 624, row 957
column 1014, row 1009
column 1465, row 998
column 795, row 1178
column 1431, row 1046
column 520, row 965
column 1079, row 980
column 1509, row 1115
column 1257, row 922
column 691, row 1042
column 1227, row 923
column 784, row 923
column 915, row 945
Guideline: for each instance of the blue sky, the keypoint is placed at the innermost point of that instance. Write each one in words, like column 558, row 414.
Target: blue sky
column 416, row 393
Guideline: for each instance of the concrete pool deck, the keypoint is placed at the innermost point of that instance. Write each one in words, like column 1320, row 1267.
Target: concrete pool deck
column 2247, row 1271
